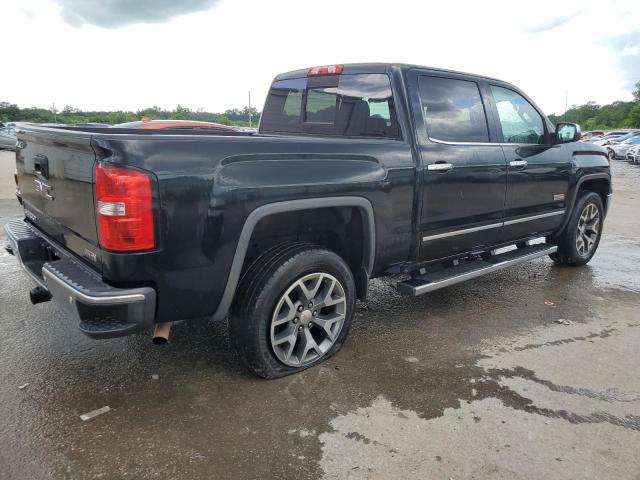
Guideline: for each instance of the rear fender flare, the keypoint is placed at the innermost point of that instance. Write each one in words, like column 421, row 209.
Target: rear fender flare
column 288, row 206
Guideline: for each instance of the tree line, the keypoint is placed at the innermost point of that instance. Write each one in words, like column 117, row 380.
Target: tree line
column 592, row 116
column 10, row 112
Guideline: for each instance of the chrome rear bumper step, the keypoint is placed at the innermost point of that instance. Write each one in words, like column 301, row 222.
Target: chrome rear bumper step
column 472, row 269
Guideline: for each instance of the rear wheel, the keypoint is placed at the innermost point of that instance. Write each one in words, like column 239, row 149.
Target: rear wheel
column 293, row 309
column 579, row 241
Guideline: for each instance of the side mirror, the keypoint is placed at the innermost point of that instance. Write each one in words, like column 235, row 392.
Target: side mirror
column 568, row 132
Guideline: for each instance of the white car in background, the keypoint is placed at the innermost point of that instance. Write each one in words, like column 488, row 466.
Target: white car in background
column 608, row 137
column 633, row 155
column 619, row 151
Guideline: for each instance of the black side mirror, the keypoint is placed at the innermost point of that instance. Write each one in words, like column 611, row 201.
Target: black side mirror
column 568, row 132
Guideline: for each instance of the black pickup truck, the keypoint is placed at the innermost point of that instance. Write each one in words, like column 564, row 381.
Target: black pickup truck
column 357, row 171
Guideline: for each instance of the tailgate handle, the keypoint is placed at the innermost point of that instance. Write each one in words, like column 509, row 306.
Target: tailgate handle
column 41, row 165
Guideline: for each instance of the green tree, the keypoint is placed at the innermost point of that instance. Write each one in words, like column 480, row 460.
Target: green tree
column 633, row 120
column 9, row 112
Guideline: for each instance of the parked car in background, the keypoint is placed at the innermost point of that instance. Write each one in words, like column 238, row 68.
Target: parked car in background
column 633, row 155
column 620, row 150
column 8, row 137
column 177, row 125
column 591, row 134
column 608, row 137
column 627, row 136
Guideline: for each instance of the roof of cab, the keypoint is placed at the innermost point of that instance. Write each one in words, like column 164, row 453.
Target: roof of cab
column 351, row 68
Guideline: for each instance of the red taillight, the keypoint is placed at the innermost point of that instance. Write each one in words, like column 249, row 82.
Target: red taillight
column 124, row 209
column 325, row 70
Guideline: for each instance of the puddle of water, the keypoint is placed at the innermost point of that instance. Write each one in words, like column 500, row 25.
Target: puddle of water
column 616, row 264
column 481, row 439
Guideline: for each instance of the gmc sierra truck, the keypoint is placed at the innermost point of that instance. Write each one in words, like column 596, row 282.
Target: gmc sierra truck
column 357, row 171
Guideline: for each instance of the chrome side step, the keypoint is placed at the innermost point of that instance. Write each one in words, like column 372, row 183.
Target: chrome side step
column 472, row 269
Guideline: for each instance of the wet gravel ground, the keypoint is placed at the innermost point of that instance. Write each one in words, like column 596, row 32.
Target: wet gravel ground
column 473, row 381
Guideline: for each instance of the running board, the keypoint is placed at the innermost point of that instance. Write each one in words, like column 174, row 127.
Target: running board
column 472, row 269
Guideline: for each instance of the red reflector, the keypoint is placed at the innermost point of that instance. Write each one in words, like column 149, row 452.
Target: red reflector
column 124, row 209
column 325, row 70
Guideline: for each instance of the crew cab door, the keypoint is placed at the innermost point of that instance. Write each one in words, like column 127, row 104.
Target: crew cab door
column 538, row 170
column 462, row 175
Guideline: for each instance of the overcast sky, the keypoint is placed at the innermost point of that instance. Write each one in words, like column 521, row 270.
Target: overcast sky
column 130, row 54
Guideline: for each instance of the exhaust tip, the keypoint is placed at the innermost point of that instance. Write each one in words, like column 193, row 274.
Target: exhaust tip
column 161, row 333
column 39, row 295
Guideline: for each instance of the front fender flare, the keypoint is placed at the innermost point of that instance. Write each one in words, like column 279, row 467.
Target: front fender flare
column 574, row 196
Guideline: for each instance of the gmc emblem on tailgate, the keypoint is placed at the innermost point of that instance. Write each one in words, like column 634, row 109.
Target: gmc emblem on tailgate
column 43, row 189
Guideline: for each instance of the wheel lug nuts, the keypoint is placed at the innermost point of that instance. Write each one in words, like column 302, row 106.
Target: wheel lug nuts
column 310, row 304
column 295, row 320
column 300, row 308
column 314, row 313
column 300, row 327
column 311, row 324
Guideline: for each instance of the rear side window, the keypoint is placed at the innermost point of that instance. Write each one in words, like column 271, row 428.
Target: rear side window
column 453, row 110
column 283, row 107
column 359, row 105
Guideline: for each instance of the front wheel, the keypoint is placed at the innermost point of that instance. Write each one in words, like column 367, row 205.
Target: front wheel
column 293, row 310
column 581, row 237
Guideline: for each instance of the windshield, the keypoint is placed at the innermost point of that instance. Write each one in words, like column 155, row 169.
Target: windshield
column 627, row 136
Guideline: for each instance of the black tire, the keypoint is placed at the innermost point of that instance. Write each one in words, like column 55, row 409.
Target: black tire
column 568, row 253
column 261, row 288
column 611, row 154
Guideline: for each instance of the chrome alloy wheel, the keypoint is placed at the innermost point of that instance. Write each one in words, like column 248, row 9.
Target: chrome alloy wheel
column 588, row 229
column 308, row 319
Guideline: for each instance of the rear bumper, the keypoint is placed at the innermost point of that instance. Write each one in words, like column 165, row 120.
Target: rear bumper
column 102, row 311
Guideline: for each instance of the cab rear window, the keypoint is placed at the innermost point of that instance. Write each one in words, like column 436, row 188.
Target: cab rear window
column 359, row 105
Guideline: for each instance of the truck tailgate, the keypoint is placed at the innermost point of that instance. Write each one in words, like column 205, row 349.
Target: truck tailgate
column 55, row 181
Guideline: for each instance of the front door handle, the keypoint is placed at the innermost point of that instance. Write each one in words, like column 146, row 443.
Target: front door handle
column 440, row 167
column 518, row 163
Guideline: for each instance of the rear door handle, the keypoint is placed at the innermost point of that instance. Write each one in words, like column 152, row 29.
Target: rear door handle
column 41, row 165
column 518, row 163
column 440, row 167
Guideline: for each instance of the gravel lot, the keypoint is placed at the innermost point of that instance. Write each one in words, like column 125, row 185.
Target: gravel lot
column 473, row 381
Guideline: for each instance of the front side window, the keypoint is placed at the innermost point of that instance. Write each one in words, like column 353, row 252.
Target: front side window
column 359, row 105
column 453, row 110
column 520, row 122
